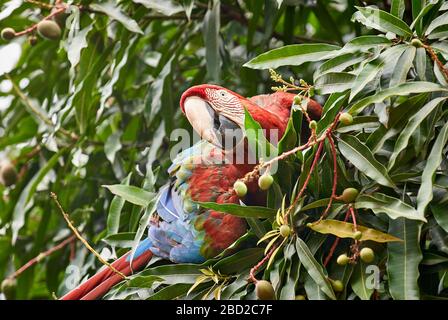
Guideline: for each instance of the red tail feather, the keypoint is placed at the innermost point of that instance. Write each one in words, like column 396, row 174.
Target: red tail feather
column 99, row 284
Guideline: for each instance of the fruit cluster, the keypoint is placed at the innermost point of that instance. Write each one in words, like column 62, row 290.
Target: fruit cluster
column 48, row 28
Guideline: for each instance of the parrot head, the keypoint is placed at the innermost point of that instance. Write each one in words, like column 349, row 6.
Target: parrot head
column 214, row 112
column 217, row 114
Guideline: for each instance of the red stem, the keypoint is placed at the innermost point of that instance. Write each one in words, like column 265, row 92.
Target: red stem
column 259, row 264
column 335, row 176
column 34, row 27
column 42, row 255
column 352, row 212
column 335, row 244
column 307, row 180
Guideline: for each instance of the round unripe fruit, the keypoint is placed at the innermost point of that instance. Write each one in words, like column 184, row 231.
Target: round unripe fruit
column 349, row 195
column 297, row 100
column 49, row 29
column 8, row 174
column 300, row 297
column 265, row 181
column 357, row 235
column 285, row 231
column 313, row 125
column 367, row 255
column 8, row 34
column 346, row 118
column 337, row 285
column 240, row 188
column 417, row 43
column 8, row 288
column 342, row 260
column 264, row 290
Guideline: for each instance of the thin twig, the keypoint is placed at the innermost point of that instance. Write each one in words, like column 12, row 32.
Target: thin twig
column 34, row 27
column 37, row 112
column 259, row 264
column 335, row 244
column 436, row 60
column 84, row 241
column 335, row 177
column 42, row 255
column 307, row 180
column 40, row 4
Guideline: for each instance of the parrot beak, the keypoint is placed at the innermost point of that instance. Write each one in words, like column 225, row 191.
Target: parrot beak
column 211, row 126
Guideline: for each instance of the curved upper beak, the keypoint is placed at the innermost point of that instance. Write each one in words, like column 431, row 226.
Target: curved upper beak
column 209, row 124
column 201, row 116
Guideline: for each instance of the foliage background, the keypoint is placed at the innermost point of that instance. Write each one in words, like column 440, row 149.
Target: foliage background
column 113, row 84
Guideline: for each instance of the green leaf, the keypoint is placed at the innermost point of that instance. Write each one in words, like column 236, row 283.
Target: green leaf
column 242, row 260
column 382, row 21
column 403, row 66
column 76, row 43
column 142, row 282
column 397, row 8
column 110, row 9
column 25, row 201
column 293, row 55
column 171, row 292
column 362, row 287
column 412, row 125
column 418, row 12
column 258, row 144
column 334, row 82
column 315, row 270
column 131, row 194
column 240, row 211
column 116, row 205
column 403, row 259
column 439, row 210
column 425, row 192
column 211, row 27
column 339, row 63
column 401, row 90
column 364, row 43
column 437, row 22
column 362, row 158
column 369, row 72
column 393, row 207
column 343, row 229
column 167, row 7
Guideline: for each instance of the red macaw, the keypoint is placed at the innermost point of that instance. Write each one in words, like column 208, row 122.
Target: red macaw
column 184, row 232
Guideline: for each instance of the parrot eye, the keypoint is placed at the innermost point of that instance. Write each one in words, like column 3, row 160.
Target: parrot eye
column 222, row 93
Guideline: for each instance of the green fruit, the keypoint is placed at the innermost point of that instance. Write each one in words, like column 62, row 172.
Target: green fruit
column 49, row 29
column 357, row 235
column 8, row 287
column 240, row 188
column 367, row 255
column 265, row 181
column 300, row 297
column 312, row 125
column 264, row 290
column 8, row 34
column 285, row 230
column 349, row 195
column 343, row 260
column 8, row 174
column 337, row 285
column 346, row 118
column 417, row 43
column 297, row 100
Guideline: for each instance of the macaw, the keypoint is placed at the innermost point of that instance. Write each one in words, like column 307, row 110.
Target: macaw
column 182, row 231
